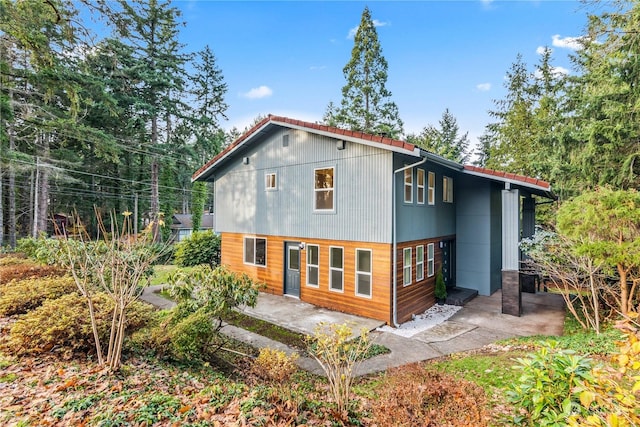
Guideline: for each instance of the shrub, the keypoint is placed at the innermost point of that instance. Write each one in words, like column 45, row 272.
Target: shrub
column 274, row 365
column 441, row 289
column 338, row 355
column 26, row 269
column 18, row 297
column 64, row 324
column 412, row 396
column 192, row 337
column 45, row 250
column 545, row 392
column 202, row 247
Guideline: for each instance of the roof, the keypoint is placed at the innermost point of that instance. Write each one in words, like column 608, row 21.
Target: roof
column 537, row 186
column 186, row 221
column 333, row 132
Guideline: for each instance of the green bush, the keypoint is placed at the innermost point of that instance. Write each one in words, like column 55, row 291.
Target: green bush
column 64, row 324
column 202, row 247
column 545, row 392
column 192, row 337
column 45, row 250
column 21, row 296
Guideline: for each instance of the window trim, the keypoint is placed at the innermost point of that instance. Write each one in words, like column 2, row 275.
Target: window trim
column 369, row 273
column 267, row 181
column 420, row 188
column 431, row 192
column 405, row 266
column 419, row 264
column 447, row 189
column 331, row 268
column 431, row 267
column 255, row 242
column 409, row 184
column 309, row 265
column 316, row 190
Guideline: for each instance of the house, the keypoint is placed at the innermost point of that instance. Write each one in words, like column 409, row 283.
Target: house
column 182, row 225
column 361, row 223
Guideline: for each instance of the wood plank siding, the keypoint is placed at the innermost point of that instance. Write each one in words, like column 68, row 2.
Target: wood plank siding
column 378, row 306
column 417, row 297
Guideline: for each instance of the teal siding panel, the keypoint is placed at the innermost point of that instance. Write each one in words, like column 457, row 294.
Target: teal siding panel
column 362, row 204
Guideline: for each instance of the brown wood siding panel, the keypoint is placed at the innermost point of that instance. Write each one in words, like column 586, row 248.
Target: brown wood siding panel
column 376, row 307
column 417, row 297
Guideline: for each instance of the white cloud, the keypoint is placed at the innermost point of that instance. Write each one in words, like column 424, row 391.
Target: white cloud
column 376, row 23
column 555, row 71
column 486, row 3
column 572, row 43
column 483, row 87
column 541, row 49
column 258, row 92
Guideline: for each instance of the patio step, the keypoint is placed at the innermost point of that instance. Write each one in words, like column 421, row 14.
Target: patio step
column 460, row 296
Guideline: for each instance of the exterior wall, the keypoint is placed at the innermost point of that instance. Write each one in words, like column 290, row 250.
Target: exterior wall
column 416, row 221
column 376, row 307
column 478, row 237
column 416, row 297
column 362, row 179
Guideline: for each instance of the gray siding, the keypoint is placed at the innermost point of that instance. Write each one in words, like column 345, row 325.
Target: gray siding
column 362, row 190
column 478, row 237
column 424, row 221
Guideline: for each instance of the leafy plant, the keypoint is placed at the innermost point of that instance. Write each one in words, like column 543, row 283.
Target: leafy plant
column 202, row 247
column 338, row 354
column 19, row 297
column 545, row 391
column 440, row 291
column 274, row 365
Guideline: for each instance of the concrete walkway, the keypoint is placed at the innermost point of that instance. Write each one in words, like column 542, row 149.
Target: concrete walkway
column 478, row 323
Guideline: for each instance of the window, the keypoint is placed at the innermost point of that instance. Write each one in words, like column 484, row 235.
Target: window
column 336, row 270
column 271, row 182
column 363, row 272
column 313, row 265
column 406, row 267
column 419, row 263
column 408, row 186
column 255, row 251
column 447, row 189
column 420, row 186
column 324, row 189
column 430, row 265
column 432, row 188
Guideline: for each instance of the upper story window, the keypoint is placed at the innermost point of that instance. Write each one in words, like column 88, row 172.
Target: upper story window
column 324, row 189
column 420, row 186
column 447, row 189
column 255, row 251
column 271, row 181
column 408, row 185
column 432, row 188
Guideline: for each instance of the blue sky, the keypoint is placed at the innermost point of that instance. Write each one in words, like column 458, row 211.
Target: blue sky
column 286, row 57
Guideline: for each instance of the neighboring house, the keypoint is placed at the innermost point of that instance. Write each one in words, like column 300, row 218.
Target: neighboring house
column 182, row 225
column 361, row 223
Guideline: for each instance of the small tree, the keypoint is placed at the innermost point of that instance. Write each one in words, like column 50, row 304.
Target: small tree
column 334, row 348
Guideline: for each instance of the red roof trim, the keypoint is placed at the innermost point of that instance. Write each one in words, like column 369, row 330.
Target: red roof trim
column 511, row 176
column 323, row 128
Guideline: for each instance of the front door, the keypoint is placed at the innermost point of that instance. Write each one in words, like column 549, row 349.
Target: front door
column 292, row 269
column 448, row 262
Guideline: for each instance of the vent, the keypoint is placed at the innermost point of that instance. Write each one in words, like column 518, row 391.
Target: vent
column 285, row 140
column 340, row 144
column 245, row 160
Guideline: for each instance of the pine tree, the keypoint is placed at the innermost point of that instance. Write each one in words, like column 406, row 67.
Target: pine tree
column 366, row 104
column 445, row 140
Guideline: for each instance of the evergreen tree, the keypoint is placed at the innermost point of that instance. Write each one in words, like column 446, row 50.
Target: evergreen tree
column 445, row 140
column 366, row 104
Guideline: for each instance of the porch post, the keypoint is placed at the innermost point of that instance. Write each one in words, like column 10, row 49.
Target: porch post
column 511, row 298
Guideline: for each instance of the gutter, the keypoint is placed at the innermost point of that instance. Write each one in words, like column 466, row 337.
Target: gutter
column 394, row 240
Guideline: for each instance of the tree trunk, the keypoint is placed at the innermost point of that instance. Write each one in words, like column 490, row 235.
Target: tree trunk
column 12, row 190
column 624, row 290
column 43, row 192
column 155, row 176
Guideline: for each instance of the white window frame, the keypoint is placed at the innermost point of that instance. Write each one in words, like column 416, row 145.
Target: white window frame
column 447, row 189
column 271, row 181
column 431, row 183
column 310, row 265
column 419, row 263
column 331, row 269
column 364, row 273
column 254, row 243
column 406, row 267
column 408, row 184
column 420, row 188
column 430, row 259
column 317, row 190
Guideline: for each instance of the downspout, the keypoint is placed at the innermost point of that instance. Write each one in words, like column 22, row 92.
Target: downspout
column 395, row 242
